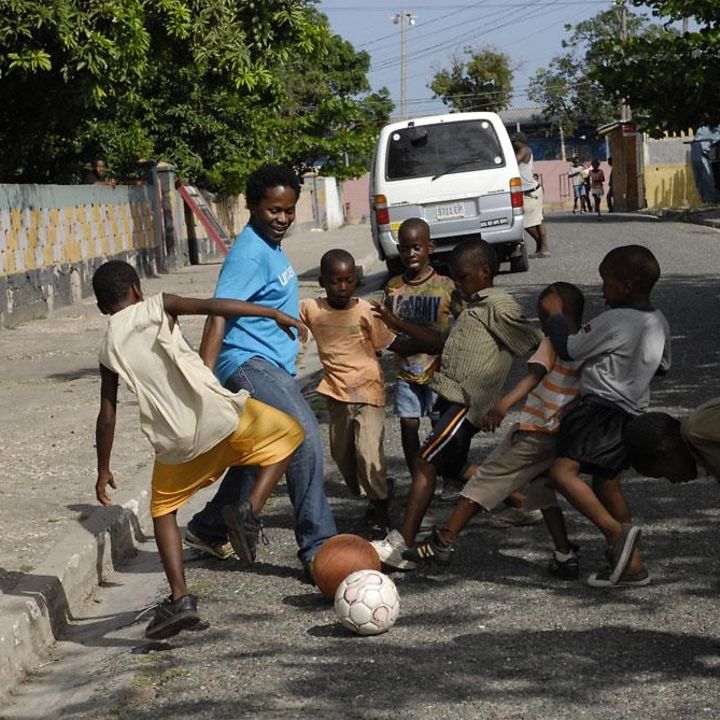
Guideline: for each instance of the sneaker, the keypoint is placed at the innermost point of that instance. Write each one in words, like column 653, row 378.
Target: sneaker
column 243, row 529
column 430, row 549
column 515, row 517
column 601, row 579
column 622, row 550
column 390, row 551
column 172, row 616
column 220, row 550
column 564, row 569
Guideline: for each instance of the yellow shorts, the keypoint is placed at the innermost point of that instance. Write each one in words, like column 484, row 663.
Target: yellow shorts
column 264, row 436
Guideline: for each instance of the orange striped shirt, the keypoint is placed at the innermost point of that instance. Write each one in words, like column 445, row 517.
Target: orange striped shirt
column 560, row 386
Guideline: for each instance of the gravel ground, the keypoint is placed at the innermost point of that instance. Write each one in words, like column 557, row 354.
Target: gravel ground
column 492, row 636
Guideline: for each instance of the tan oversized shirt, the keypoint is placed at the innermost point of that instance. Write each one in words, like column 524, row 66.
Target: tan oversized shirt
column 701, row 430
column 184, row 411
column 479, row 350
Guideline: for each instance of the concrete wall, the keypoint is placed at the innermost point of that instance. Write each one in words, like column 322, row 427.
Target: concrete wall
column 668, row 173
column 355, row 198
column 52, row 237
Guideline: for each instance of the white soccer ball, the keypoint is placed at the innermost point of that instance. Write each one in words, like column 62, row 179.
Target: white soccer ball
column 367, row 602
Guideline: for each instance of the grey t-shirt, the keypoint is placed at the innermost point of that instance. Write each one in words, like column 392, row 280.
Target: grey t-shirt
column 622, row 349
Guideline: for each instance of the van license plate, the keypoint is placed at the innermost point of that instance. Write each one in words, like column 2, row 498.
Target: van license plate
column 448, row 212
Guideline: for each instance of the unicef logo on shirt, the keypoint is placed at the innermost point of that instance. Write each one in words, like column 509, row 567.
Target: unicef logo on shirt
column 286, row 275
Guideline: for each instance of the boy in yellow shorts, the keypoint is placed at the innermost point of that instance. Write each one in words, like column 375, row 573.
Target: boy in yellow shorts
column 197, row 428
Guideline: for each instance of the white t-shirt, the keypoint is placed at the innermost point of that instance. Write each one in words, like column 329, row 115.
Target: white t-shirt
column 184, row 411
column 622, row 350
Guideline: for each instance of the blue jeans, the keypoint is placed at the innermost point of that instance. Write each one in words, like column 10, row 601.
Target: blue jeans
column 314, row 521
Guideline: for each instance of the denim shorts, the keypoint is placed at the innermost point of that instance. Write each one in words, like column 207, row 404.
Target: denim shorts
column 413, row 400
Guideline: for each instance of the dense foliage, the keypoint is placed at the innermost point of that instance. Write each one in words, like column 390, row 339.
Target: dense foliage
column 570, row 89
column 670, row 79
column 212, row 86
column 477, row 80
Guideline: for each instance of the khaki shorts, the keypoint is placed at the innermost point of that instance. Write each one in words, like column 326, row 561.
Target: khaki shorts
column 264, row 436
column 521, row 457
column 533, row 207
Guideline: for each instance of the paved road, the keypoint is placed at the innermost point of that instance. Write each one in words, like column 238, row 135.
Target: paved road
column 493, row 636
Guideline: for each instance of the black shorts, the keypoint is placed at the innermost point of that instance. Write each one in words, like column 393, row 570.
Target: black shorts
column 591, row 432
column 447, row 446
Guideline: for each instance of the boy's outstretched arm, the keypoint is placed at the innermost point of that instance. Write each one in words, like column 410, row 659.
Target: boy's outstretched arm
column 494, row 417
column 176, row 305
column 105, row 433
column 431, row 340
column 212, row 337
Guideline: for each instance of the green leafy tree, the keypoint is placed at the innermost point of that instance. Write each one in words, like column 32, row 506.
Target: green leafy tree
column 670, row 79
column 570, row 88
column 213, row 86
column 476, row 80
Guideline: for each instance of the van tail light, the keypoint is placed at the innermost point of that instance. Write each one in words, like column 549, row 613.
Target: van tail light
column 516, row 194
column 382, row 214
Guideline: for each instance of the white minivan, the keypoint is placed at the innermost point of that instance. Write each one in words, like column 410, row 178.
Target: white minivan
column 458, row 173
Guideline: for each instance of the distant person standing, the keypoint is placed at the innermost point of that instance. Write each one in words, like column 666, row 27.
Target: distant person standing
column 597, row 184
column 578, row 183
column 532, row 198
column 610, row 197
column 97, row 174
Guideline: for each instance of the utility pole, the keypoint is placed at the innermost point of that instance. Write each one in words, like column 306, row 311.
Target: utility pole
column 625, row 112
column 405, row 20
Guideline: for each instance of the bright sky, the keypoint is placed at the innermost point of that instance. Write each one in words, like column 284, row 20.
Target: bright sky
column 529, row 32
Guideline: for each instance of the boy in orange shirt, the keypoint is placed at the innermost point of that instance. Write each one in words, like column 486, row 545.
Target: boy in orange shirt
column 348, row 336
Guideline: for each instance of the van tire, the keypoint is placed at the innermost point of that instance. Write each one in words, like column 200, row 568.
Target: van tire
column 520, row 263
column 394, row 266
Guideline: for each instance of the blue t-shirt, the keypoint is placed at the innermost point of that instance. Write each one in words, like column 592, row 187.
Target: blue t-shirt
column 258, row 271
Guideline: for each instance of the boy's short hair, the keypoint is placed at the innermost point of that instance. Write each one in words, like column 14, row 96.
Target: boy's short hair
column 572, row 298
column 474, row 253
column 633, row 263
column 414, row 223
column 649, row 435
column 333, row 257
column 112, row 282
column 270, row 176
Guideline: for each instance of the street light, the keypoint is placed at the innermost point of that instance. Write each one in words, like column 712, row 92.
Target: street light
column 404, row 19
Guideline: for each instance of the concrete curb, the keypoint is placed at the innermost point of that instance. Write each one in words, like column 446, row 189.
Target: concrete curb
column 40, row 606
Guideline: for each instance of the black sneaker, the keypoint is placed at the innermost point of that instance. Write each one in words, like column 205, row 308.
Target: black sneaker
column 172, row 616
column 243, row 530
column 430, row 550
column 564, row 570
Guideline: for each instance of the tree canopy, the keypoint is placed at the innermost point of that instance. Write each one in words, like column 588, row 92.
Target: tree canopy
column 570, row 88
column 670, row 79
column 476, row 80
column 212, row 86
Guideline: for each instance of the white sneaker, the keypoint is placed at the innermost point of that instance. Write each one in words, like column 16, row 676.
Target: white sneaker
column 390, row 551
column 513, row 517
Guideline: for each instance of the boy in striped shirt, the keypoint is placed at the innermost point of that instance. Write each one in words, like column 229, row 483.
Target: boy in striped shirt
column 525, row 454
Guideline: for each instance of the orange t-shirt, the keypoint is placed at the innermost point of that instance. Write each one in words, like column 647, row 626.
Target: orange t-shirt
column 347, row 341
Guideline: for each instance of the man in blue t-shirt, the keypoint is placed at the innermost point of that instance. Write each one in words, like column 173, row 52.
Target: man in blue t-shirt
column 255, row 354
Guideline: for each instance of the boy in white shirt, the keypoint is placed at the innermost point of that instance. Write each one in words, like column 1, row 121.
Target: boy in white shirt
column 622, row 350
column 197, row 428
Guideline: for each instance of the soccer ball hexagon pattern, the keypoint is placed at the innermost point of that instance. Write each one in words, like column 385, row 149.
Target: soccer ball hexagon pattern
column 367, row 602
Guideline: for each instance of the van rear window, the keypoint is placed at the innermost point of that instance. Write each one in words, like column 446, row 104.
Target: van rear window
column 444, row 148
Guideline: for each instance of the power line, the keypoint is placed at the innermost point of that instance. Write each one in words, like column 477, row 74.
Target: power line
column 445, row 44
